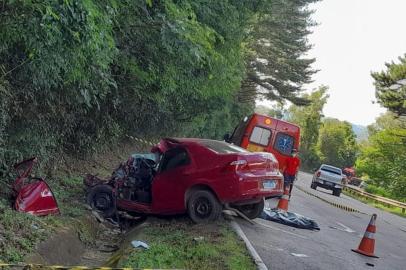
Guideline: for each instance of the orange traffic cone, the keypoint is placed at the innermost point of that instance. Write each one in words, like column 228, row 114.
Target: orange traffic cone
column 284, row 201
column 367, row 245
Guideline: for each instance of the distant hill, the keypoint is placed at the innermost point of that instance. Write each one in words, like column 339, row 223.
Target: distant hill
column 360, row 131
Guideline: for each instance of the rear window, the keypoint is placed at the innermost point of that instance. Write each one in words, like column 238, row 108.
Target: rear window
column 331, row 170
column 222, row 147
column 284, row 143
column 260, row 136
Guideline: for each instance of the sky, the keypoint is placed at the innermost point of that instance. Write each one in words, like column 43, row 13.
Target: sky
column 353, row 38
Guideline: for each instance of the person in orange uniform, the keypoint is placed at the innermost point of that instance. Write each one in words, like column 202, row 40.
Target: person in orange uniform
column 290, row 170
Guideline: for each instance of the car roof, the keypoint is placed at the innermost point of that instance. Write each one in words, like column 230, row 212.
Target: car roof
column 326, row 165
column 280, row 120
column 213, row 145
column 189, row 140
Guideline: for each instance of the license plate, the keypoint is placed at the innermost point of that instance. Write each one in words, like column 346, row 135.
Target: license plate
column 269, row 184
column 328, row 184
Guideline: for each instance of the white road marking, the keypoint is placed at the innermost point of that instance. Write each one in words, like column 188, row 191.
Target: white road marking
column 299, row 255
column 346, row 229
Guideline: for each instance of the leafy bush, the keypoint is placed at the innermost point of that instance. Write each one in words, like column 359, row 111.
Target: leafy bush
column 377, row 190
column 76, row 76
column 383, row 160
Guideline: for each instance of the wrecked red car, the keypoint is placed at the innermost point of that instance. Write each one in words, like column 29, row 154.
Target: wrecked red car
column 194, row 176
column 32, row 194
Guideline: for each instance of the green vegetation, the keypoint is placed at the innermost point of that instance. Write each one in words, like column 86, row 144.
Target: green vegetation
column 391, row 86
column 383, row 157
column 278, row 63
column 76, row 76
column 20, row 232
column 185, row 246
column 336, row 144
column 70, row 195
column 309, row 118
column 377, row 190
column 323, row 140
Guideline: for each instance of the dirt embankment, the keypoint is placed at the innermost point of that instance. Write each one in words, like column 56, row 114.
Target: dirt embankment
column 101, row 163
column 61, row 239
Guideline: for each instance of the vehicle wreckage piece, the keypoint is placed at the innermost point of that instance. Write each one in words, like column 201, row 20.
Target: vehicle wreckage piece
column 32, row 194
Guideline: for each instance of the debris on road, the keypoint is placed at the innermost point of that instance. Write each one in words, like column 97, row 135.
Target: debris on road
column 198, row 239
column 32, row 194
column 299, row 255
column 290, row 219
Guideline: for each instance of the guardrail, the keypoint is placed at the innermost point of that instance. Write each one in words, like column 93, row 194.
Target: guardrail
column 386, row 201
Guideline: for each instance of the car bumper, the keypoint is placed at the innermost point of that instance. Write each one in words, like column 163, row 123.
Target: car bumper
column 253, row 189
column 327, row 184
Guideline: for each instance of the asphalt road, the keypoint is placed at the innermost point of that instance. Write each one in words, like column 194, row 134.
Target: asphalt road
column 284, row 247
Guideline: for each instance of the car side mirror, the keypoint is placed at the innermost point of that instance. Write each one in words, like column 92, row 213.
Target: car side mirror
column 227, row 137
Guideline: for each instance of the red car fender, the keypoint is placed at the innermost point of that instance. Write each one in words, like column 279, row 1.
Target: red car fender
column 204, row 185
column 37, row 199
column 33, row 195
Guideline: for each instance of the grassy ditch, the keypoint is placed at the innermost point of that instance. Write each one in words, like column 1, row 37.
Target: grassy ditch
column 393, row 210
column 182, row 245
column 20, row 232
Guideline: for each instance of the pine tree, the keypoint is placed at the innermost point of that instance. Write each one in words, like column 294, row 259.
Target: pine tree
column 277, row 67
column 391, row 86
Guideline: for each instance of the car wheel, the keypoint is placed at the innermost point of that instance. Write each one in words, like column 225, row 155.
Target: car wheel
column 252, row 211
column 337, row 192
column 313, row 186
column 202, row 206
column 101, row 199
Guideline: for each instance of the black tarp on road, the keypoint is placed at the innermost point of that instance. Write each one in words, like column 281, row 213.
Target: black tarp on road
column 290, row 219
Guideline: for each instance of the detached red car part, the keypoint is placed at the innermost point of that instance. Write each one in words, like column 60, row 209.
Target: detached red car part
column 194, row 176
column 32, row 194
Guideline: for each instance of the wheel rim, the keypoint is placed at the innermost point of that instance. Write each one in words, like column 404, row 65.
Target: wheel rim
column 102, row 201
column 203, row 208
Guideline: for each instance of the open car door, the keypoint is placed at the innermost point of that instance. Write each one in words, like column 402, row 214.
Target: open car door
column 33, row 195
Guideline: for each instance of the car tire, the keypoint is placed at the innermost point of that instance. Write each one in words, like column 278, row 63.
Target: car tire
column 203, row 207
column 252, row 211
column 337, row 192
column 101, row 199
column 313, row 185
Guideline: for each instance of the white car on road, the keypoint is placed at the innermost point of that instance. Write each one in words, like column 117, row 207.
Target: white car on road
column 329, row 177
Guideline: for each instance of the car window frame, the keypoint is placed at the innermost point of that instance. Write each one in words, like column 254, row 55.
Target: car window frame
column 189, row 161
column 238, row 134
